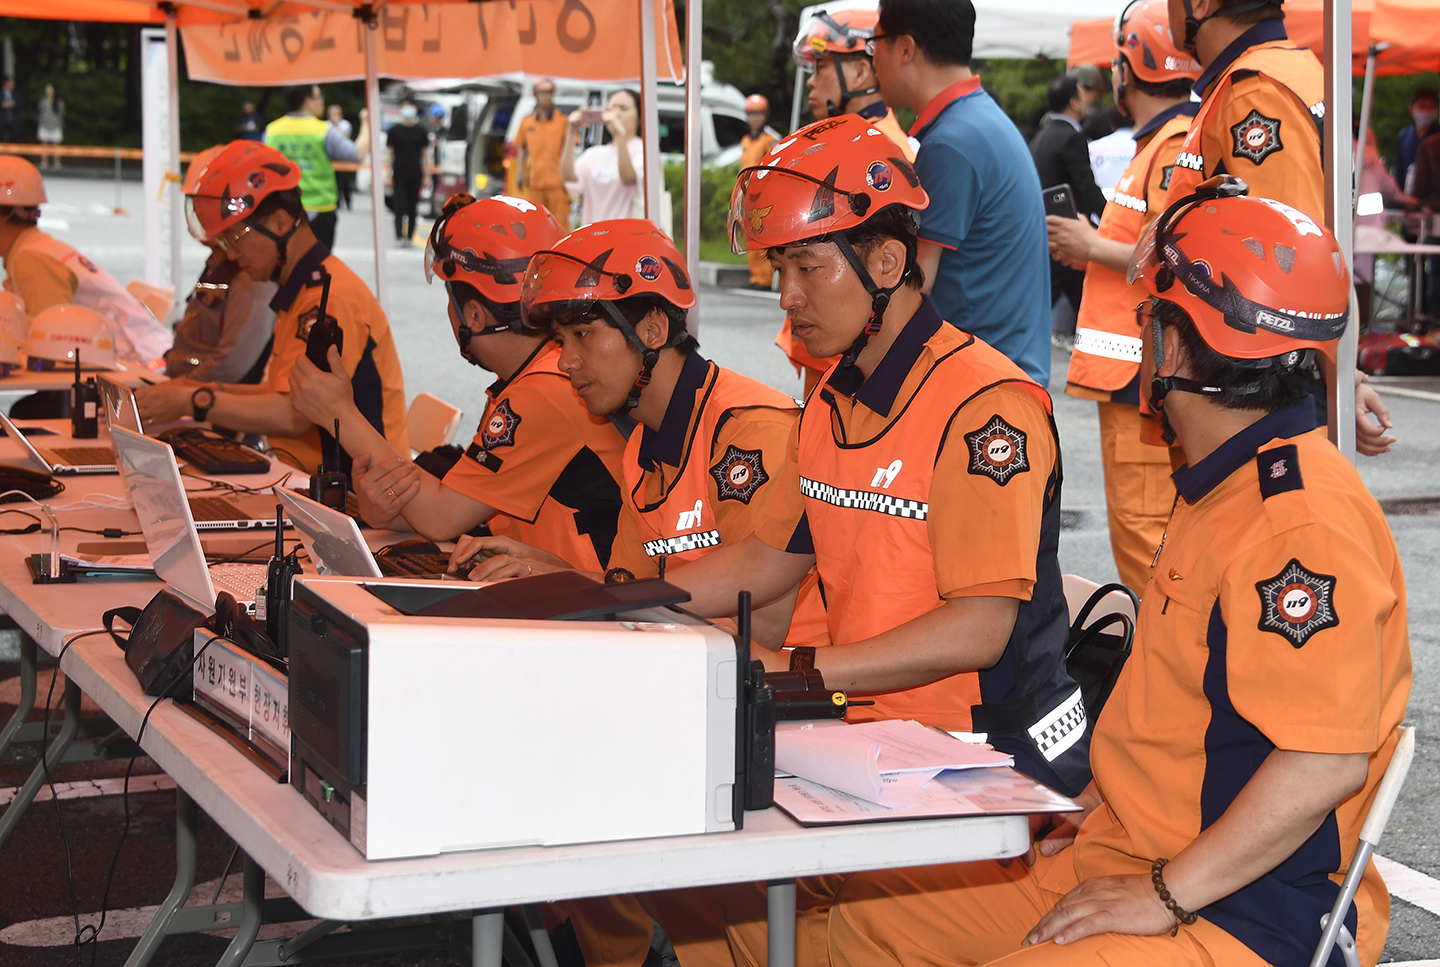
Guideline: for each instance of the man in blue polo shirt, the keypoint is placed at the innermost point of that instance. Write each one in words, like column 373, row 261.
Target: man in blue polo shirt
column 982, row 240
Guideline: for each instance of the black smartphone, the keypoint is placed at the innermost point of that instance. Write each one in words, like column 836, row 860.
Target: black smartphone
column 324, row 332
column 1060, row 201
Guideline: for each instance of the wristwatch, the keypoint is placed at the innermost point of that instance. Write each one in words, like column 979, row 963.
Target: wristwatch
column 802, row 658
column 202, row 400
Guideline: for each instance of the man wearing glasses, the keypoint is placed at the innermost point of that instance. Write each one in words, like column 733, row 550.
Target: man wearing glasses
column 982, row 240
column 247, row 203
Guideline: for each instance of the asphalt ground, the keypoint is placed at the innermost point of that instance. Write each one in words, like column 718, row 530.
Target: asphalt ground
column 37, row 910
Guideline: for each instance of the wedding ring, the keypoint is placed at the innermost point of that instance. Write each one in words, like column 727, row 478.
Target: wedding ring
column 391, row 493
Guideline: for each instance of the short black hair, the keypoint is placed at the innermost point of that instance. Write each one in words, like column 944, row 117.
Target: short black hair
column 287, row 201
column 506, row 313
column 944, row 30
column 1061, row 91
column 634, row 310
column 1174, row 90
column 1250, row 12
column 605, row 137
column 7, row 213
column 1423, row 94
column 407, row 99
column 296, row 95
column 897, row 222
column 1278, row 387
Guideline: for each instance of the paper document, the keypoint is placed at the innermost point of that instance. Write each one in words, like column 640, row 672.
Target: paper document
column 974, row 792
column 138, row 563
column 883, row 762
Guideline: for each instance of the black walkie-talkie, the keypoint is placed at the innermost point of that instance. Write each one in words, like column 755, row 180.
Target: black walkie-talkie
column 329, row 484
column 324, row 332
column 279, row 575
column 84, row 406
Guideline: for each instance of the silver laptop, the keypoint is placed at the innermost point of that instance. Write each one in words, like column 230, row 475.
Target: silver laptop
column 153, row 479
column 117, row 401
column 66, row 461
column 336, row 547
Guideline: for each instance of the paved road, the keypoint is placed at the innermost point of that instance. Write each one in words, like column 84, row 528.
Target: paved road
column 736, row 329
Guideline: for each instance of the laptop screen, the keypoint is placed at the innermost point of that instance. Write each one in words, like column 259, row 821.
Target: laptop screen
column 119, row 404
column 153, row 479
column 332, row 539
column 36, row 457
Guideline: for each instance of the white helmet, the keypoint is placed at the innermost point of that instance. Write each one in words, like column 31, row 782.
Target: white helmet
column 59, row 331
column 20, row 182
column 13, row 328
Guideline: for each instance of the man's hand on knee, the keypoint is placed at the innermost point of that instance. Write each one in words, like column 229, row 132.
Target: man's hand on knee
column 1105, row 904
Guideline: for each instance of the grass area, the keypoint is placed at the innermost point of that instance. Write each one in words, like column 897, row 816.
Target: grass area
column 718, row 250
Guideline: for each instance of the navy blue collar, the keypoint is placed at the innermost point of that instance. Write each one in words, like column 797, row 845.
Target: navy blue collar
column 667, row 445
column 1263, row 32
column 879, row 391
column 1187, row 108
column 876, row 110
column 305, row 275
column 1197, row 481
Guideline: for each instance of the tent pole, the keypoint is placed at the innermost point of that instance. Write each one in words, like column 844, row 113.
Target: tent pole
column 796, row 97
column 177, row 214
column 693, row 13
column 1340, row 209
column 1366, row 101
column 654, row 173
column 377, row 172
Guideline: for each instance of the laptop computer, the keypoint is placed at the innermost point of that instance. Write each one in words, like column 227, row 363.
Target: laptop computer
column 202, row 449
column 336, row 546
column 153, row 478
column 66, row 461
column 117, row 401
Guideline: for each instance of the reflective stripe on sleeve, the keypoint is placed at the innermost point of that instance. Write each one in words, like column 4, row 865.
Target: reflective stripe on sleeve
column 1061, row 729
column 1096, row 342
column 683, row 543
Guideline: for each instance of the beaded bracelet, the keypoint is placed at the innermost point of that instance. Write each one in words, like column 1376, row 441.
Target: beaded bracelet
column 1179, row 912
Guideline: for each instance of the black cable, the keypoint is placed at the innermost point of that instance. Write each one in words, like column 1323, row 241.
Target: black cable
column 50, row 781
column 32, row 528
column 232, row 558
column 299, row 464
column 94, row 938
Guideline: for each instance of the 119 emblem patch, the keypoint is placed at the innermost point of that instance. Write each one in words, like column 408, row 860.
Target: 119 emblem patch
column 1296, row 603
column 997, row 451
column 739, row 474
column 1257, row 137
column 499, row 427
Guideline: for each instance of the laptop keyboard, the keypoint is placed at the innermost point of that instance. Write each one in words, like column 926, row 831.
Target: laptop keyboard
column 241, row 580
column 83, row 456
column 215, row 508
column 212, row 455
column 412, row 564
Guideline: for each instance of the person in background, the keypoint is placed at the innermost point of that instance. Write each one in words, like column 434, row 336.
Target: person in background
column 1426, row 184
column 407, row 147
column 754, row 145
column 1062, row 157
column 247, row 202
column 542, row 138
column 983, row 250
column 1152, row 79
column 608, row 177
column 1097, row 120
column 44, row 271
column 49, row 123
column 226, row 333
column 9, row 112
column 344, row 180
column 1424, row 121
column 251, row 125
column 313, row 144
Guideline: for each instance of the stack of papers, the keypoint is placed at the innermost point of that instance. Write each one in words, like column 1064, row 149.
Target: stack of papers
column 885, row 763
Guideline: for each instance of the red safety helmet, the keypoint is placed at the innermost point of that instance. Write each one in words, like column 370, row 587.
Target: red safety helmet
column 593, row 267
column 196, row 171
column 1144, row 42
column 837, row 32
column 233, row 184
column 488, row 244
column 1261, row 281
column 21, row 185
column 757, row 102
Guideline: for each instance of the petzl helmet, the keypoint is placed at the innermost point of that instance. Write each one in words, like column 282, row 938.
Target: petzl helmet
column 1265, row 285
column 592, row 268
column 20, row 183
column 487, row 244
column 59, row 332
column 836, row 34
column 233, row 184
column 196, row 171
column 1144, row 44
column 825, row 178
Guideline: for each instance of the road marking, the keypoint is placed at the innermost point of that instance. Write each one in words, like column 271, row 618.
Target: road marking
column 88, row 788
column 1412, row 886
column 1414, row 394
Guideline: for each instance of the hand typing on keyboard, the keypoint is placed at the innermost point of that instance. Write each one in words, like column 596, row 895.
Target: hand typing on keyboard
column 496, row 558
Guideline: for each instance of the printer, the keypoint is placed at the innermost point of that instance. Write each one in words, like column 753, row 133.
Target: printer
column 416, row 734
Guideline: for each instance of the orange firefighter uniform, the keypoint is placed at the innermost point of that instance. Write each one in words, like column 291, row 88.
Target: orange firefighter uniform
column 543, row 139
column 753, row 148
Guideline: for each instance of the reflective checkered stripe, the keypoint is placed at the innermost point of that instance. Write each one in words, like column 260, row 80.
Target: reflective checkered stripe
column 683, row 543
column 864, row 500
column 1108, row 344
column 1060, row 729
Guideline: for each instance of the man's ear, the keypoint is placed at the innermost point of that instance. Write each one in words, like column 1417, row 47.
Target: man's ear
column 476, row 317
column 654, row 329
column 1175, row 363
column 905, row 48
column 886, row 263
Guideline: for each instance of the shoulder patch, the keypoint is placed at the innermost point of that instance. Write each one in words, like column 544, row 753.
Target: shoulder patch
column 1296, row 603
column 1257, row 137
column 1279, row 470
column 499, row 427
column 739, row 473
column 998, row 451
column 484, row 457
column 1166, row 173
column 307, row 320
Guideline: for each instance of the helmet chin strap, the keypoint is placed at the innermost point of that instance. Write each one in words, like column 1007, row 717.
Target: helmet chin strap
column 648, row 357
column 846, row 94
column 1162, row 386
column 879, row 300
column 282, row 242
column 464, row 333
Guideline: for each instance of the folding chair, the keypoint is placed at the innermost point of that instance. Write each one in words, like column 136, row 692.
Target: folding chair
column 153, row 297
column 1333, row 923
column 432, row 422
column 1102, row 630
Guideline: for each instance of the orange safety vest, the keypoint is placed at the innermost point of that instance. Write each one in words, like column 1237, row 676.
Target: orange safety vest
column 873, row 552
column 1107, row 337
column 1291, row 68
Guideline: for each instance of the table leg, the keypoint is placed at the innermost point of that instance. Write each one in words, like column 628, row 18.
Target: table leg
column 251, row 917
column 780, row 905
column 487, row 936
column 26, row 793
column 185, row 813
column 539, row 936
column 28, row 655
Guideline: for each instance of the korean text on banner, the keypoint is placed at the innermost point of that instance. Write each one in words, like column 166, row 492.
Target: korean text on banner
column 593, row 39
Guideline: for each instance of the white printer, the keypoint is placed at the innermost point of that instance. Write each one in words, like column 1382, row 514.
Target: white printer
column 416, row 735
